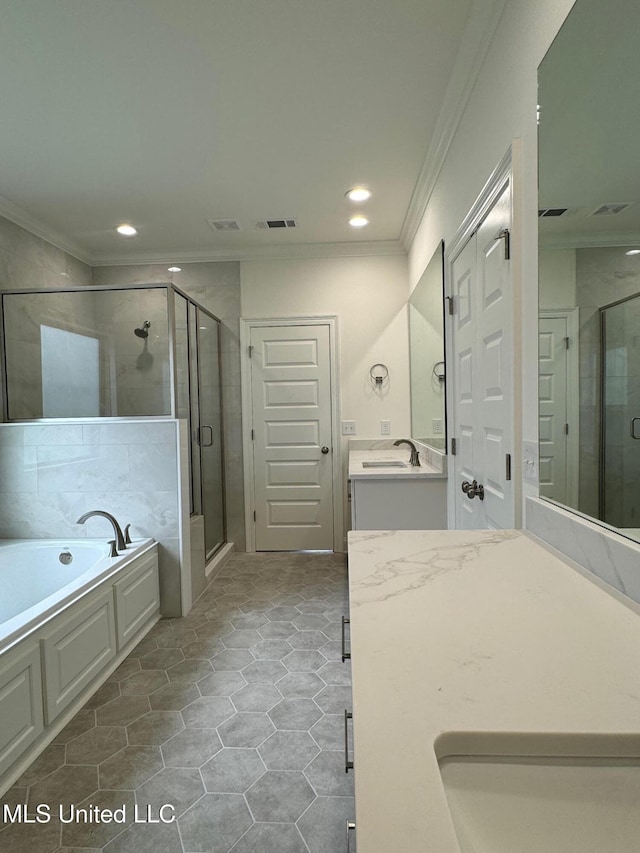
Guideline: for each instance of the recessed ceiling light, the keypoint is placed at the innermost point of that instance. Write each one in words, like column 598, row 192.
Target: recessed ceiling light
column 126, row 230
column 358, row 221
column 633, row 252
column 174, row 269
column 358, row 194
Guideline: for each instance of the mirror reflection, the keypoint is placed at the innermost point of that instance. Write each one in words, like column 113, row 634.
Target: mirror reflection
column 589, row 265
column 426, row 350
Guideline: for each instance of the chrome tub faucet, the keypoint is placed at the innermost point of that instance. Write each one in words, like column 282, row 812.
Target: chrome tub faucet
column 120, row 538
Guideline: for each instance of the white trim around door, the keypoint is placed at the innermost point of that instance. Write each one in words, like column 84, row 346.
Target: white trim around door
column 246, row 326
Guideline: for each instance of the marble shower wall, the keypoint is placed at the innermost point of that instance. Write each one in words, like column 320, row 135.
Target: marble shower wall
column 52, row 473
column 603, row 276
column 216, row 286
column 27, row 261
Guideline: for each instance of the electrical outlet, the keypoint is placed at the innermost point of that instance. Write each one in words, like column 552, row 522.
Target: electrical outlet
column 436, row 426
column 348, row 427
column 385, row 427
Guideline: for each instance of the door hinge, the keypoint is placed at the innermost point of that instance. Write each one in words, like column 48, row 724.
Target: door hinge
column 508, row 466
column 255, row 517
column 566, row 343
column 253, row 435
column 505, row 235
column 449, row 303
column 566, row 429
column 453, row 447
column 250, row 350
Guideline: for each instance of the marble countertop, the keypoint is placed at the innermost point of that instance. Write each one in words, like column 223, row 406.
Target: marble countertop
column 467, row 632
column 400, row 454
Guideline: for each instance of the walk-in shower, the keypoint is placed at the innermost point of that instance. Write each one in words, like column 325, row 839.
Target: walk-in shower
column 620, row 413
column 121, row 351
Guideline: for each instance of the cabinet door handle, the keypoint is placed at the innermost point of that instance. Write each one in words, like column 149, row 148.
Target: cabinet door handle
column 345, row 654
column 348, row 765
column 350, row 828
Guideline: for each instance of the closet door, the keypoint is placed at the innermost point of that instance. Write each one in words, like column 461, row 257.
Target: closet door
column 483, row 401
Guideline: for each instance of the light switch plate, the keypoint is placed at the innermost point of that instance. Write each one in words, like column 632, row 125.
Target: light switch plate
column 436, row 426
column 348, row 427
column 385, row 427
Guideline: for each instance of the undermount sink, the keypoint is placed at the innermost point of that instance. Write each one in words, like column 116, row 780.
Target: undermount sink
column 562, row 795
column 382, row 464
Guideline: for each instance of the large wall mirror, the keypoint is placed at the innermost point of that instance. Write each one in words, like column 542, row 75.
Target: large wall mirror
column 426, row 351
column 589, row 264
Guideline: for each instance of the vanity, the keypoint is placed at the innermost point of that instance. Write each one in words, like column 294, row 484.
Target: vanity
column 387, row 491
column 490, row 675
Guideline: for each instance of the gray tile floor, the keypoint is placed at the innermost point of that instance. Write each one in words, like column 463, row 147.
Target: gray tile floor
column 232, row 714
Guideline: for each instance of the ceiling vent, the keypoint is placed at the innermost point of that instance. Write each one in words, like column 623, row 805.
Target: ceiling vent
column 276, row 223
column 224, row 224
column 553, row 211
column 611, row 209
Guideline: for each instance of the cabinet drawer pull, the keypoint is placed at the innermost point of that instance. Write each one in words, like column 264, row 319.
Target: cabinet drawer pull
column 350, row 828
column 345, row 654
column 348, row 765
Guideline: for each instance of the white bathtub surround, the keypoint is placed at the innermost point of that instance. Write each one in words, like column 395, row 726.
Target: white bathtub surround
column 59, row 650
column 473, row 632
column 51, row 473
column 601, row 551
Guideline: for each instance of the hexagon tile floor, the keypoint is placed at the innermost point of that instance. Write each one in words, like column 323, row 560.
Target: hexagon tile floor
column 233, row 715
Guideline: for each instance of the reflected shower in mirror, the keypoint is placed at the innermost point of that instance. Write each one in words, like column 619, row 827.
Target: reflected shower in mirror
column 589, row 265
column 426, row 350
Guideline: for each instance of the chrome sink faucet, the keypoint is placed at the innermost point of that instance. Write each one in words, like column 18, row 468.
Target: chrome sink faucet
column 120, row 539
column 413, row 459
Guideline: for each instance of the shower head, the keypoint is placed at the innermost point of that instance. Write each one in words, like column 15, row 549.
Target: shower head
column 143, row 331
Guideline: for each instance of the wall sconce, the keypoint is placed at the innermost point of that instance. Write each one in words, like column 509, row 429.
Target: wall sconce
column 379, row 373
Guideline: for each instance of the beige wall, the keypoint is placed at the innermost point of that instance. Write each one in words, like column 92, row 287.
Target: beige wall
column 369, row 296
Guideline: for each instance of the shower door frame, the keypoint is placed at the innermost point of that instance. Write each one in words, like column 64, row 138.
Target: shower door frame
column 171, row 291
column 603, row 436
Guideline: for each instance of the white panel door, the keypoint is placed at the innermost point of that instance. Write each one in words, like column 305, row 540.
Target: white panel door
column 292, row 440
column 465, row 386
column 552, row 360
column 483, row 383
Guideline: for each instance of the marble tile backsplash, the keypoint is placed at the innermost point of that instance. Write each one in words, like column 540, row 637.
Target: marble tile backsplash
column 609, row 556
column 50, row 474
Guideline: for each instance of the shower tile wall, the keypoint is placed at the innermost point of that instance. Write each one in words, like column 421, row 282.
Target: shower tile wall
column 50, row 474
column 216, row 286
column 603, row 275
column 28, row 261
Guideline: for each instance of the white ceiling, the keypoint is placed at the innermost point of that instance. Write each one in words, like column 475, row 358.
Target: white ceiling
column 166, row 113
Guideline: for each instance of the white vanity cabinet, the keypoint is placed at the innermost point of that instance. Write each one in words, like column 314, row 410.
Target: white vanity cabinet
column 398, row 504
column 387, row 493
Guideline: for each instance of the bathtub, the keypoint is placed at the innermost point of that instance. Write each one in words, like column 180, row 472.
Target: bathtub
column 69, row 615
column 40, row 577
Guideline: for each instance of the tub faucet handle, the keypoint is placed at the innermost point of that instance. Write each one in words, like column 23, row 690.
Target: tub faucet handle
column 112, row 546
column 127, row 535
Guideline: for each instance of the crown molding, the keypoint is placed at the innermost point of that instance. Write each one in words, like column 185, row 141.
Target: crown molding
column 593, row 241
column 258, row 253
column 478, row 33
column 30, row 223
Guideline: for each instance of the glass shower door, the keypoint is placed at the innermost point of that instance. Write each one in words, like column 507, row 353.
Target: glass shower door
column 210, row 431
column 620, row 427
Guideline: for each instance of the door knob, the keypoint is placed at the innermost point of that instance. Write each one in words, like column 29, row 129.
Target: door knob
column 466, row 486
column 324, row 449
column 476, row 491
